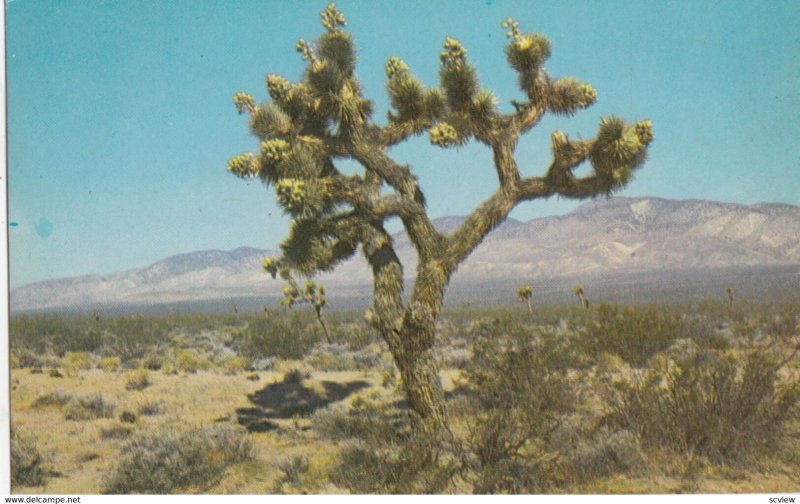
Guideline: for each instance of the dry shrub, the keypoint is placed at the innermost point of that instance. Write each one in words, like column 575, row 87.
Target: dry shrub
column 109, row 364
column 607, row 452
column 293, row 469
column 150, row 408
column 327, row 361
column 115, row 431
column 235, row 365
column 708, row 403
column 128, row 417
column 55, row 399
column 285, row 337
column 381, row 453
column 521, row 386
column 296, row 375
column 73, row 362
column 26, row 461
column 88, row 408
column 152, row 362
column 633, row 333
column 173, row 459
column 138, row 380
column 188, row 361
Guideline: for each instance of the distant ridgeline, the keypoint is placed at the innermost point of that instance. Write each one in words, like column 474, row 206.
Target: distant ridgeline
column 628, row 250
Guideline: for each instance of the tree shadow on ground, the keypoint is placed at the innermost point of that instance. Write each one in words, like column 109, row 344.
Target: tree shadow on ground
column 284, row 400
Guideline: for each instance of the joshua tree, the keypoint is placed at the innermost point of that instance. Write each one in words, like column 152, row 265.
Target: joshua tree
column 729, row 291
column 578, row 291
column 524, row 293
column 310, row 125
column 312, row 293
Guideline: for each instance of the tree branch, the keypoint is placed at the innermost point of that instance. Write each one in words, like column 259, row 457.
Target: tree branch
column 394, row 133
column 419, row 227
column 387, row 273
column 526, row 117
column 490, row 214
column 506, row 166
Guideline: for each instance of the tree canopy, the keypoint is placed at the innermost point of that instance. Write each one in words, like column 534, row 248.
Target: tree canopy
column 307, row 126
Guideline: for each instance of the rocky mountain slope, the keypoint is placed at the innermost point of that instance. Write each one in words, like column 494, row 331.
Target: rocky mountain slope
column 606, row 237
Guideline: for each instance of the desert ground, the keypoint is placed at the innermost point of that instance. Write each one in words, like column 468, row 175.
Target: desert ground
column 699, row 398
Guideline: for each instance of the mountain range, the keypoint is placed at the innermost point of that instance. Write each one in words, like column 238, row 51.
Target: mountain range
column 616, row 246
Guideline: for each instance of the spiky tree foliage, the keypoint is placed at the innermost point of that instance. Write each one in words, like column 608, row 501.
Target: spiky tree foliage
column 524, row 294
column 309, row 125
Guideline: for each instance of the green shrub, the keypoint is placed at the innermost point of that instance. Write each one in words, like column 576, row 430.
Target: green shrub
column 176, row 459
column 88, row 408
column 710, row 404
column 521, row 388
column 73, row 362
column 53, row 373
column 133, row 337
column 26, row 461
column 235, row 365
column 188, row 361
column 323, row 361
column 152, row 362
column 109, row 364
column 44, row 333
column 138, row 380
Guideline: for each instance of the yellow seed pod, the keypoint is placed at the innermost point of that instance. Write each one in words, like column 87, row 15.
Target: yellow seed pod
column 523, row 42
column 443, row 135
column 243, row 166
column 278, row 87
column 644, row 130
column 276, row 150
column 395, row 66
column 244, row 102
column 290, row 193
column 589, row 95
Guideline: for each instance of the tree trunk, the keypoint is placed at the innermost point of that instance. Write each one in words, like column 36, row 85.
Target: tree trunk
column 410, row 333
column 423, row 387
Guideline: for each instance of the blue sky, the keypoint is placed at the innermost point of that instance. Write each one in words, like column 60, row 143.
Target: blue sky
column 120, row 120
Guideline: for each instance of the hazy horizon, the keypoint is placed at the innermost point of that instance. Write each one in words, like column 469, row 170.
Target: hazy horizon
column 134, row 267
